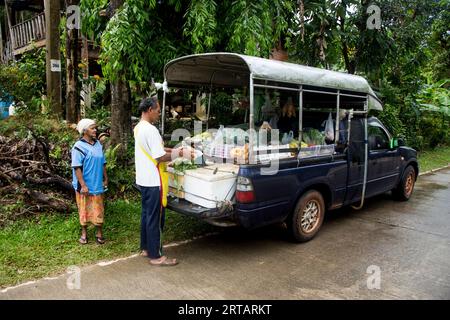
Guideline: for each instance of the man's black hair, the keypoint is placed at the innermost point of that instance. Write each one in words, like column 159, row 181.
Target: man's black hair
column 148, row 103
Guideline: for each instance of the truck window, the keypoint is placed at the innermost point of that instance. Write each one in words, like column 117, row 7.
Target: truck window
column 378, row 139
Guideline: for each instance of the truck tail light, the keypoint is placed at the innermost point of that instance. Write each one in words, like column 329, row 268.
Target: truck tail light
column 244, row 190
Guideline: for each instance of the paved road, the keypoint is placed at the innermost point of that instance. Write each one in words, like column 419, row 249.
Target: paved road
column 407, row 242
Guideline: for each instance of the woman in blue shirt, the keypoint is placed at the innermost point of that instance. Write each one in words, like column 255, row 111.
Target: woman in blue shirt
column 89, row 179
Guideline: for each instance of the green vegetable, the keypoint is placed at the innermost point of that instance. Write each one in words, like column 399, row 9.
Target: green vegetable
column 180, row 165
column 314, row 137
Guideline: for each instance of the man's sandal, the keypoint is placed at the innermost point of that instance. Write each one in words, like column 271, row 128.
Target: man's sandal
column 83, row 240
column 100, row 240
column 163, row 262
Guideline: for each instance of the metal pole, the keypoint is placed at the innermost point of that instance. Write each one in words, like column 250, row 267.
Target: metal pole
column 209, row 108
column 163, row 113
column 336, row 133
column 366, row 160
column 251, row 120
column 363, row 194
column 300, row 116
column 349, row 123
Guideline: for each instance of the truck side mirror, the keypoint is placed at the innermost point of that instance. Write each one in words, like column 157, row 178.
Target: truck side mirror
column 396, row 142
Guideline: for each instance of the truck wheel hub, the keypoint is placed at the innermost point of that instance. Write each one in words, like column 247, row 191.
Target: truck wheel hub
column 310, row 216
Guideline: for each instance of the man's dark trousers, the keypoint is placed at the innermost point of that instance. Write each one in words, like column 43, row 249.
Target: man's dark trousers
column 152, row 221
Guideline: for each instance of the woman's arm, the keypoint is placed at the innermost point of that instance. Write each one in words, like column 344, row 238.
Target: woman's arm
column 79, row 175
column 105, row 177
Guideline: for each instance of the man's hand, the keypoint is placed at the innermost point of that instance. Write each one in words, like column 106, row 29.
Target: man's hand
column 187, row 153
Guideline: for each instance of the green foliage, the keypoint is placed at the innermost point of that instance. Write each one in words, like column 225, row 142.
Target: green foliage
column 435, row 98
column 421, row 117
column 434, row 104
column 111, row 157
column 221, row 109
column 25, row 79
column 101, row 115
column 439, row 42
column 390, row 116
column 120, row 178
column 92, row 23
column 201, row 25
column 133, row 44
column 250, row 26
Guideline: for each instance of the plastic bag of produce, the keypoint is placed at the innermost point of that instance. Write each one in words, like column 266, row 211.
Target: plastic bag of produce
column 287, row 138
column 329, row 130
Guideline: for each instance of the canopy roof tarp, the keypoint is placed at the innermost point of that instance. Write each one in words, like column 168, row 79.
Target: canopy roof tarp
column 233, row 70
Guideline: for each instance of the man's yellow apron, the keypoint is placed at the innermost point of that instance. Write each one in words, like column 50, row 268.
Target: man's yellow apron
column 162, row 171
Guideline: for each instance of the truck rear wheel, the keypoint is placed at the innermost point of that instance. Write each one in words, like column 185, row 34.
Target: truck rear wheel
column 405, row 188
column 307, row 218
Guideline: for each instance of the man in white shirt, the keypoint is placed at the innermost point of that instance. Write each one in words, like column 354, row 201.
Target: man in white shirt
column 148, row 146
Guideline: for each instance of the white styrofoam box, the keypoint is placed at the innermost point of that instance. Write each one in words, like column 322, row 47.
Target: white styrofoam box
column 224, row 167
column 204, row 187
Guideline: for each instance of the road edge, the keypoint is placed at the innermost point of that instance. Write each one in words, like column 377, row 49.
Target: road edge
column 434, row 170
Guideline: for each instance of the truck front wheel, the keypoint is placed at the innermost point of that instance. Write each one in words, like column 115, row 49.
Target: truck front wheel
column 404, row 189
column 307, row 217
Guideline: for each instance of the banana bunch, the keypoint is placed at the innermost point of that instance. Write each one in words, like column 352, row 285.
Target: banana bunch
column 294, row 144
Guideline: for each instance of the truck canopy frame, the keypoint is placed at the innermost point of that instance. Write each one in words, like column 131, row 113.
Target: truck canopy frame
column 236, row 70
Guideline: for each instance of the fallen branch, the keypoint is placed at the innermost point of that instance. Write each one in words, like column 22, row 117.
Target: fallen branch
column 53, row 203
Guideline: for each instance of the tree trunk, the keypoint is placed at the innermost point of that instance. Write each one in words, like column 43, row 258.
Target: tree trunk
column 53, row 57
column 279, row 52
column 120, row 116
column 1, row 44
column 73, row 88
column 85, row 71
column 120, row 109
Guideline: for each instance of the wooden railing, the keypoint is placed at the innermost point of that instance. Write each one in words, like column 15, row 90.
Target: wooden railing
column 29, row 31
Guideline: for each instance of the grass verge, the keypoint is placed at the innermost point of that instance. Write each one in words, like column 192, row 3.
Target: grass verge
column 48, row 244
column 433, row 159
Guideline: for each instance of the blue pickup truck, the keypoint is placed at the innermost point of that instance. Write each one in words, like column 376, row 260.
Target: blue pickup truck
column 362, row 160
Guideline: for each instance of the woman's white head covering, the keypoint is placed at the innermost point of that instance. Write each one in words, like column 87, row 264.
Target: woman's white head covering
column 84, row 124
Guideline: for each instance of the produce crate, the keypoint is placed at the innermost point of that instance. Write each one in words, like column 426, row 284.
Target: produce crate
column 176, row 180
column 176, row 193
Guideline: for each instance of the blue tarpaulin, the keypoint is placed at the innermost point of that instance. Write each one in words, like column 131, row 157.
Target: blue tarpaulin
column 5, row 102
